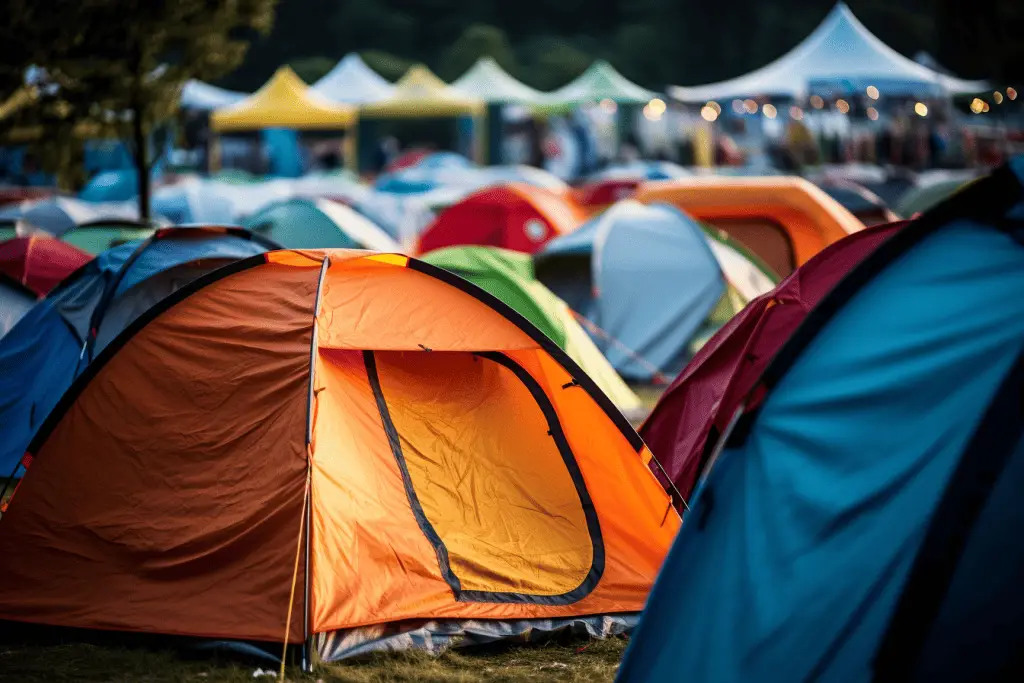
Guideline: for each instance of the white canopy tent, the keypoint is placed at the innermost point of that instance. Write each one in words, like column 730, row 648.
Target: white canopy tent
column 840, row 56
column 351, row 81
column 205, row 97
column 487, row 81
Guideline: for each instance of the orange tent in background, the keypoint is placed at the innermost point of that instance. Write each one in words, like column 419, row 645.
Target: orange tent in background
column 515, row 216
column 353, row 439
column 784, row 220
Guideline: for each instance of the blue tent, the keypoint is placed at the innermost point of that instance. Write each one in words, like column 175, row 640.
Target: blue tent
column 863, row 519
column 193, row 203
column 55, row 341
column 648, row 279
column 15, row 301
column 111, row 186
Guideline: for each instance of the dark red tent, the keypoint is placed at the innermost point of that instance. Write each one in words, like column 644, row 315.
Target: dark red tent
column 698, row 405
column 40, row 263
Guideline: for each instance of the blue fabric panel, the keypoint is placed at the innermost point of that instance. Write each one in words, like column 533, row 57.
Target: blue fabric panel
column 981, row 627
column 37, row 363
column 579, row 241
column 657, row 281
column 811, row 525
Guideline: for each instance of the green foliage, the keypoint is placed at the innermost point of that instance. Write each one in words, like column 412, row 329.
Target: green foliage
column 478, row 40
column 117, row 66
column 312, row 69
column 386, row 64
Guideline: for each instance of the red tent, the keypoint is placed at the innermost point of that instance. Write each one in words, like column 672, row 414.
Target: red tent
column 698, row 405
column 515, row 216
column 597, row 195
column 40, row 263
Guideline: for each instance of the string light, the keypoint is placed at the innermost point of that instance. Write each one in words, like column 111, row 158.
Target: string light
column 998, row 97
column 872, row 113
column 843, row 106
column 657, row 106
column 769, row 111
column 708, row 113
column 608, row 106
column 977, row 106
column 872, row 92
column 651, row 112
column 737, row 106
column 921, row 109
column 796, row 113
column 1011, row 93
column 817, row 102
column 716, row 106
column 986, row 108
column 750, row 106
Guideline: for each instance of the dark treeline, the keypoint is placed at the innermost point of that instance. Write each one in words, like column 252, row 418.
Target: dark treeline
column 655, row 42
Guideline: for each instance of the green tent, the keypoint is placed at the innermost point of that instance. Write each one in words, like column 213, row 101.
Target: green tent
column 508, row 275
column 923, row 197
column 8, row 231
column 318, row 224
column 96, row 238
column 599, row 82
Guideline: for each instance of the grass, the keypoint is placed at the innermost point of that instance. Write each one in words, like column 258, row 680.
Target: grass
column 590, row 662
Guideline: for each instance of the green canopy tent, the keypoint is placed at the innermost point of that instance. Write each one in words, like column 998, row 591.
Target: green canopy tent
column 598, row 83
column 508, row 275
column 487, row 81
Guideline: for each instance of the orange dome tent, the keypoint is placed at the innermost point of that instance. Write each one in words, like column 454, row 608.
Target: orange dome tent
column 784, row 220
column 515, row 216
column 316, row 447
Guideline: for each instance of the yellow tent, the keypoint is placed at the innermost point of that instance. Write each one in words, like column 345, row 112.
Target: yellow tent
column 421, row 94
column 284, row 101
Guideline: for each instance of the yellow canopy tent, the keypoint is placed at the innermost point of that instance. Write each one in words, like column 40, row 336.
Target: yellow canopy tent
column 285, row 101
column 421, row 94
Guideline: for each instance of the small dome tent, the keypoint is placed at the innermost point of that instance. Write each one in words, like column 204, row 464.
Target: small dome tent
column 333, row 444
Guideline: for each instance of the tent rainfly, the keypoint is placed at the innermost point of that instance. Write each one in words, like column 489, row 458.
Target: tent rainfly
column 200, row 96
column 421, row 94
column 351, row 81
column 599, row 82
column 840, row 55
column 487, row 81
column 283, row 102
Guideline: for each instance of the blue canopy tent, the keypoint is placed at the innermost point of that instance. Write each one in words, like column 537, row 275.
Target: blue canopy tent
column 863, row 518
column 57, row 339
column 648, row 279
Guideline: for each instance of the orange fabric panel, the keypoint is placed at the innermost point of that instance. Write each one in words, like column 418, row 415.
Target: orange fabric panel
column 638, row 523
column 372, row 562
column 372, row 305
column 561, row 211
column 168, row 499
column 813, row 219
column 487, row 474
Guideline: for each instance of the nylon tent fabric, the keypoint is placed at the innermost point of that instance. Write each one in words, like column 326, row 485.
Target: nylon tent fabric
column 283, row 102
column 421, row 94
column 599, row 82
column 16, row 301
column 351, row 81
column 513, row 216
column 784, row 220
column 487, row 81
column 702, row 399
column 192, row 202
column 831, row 499
column 841, row 56
column 318, row 224
column 57, row 339
column 200, row 96
column 509, row 276
column 40, row 263
column 58, row 215
column 96, row 238
column 647, row 279
column 289, row 379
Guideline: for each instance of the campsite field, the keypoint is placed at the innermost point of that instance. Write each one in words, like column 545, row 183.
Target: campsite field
column 578, row 663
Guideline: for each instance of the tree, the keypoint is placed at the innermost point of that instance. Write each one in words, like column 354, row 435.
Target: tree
column 120, row 65
column 478, row 40
column 386, row 64
column 312, row 69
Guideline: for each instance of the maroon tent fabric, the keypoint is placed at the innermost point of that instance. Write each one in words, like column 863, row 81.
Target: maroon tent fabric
column 706, row 394
column 40, row 263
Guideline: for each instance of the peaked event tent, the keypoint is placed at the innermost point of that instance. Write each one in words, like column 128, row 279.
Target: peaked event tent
column 651, row 281
column 697, row 407
column 40, row 263
column 421, row 94
column 840, row 55
column 599, row 82
column 509, row 276
column 862, row 521
column 61, row 335
column 487, row 81
column 344, row 413
column 205, row 97
column 318, row 224
column 351, row 81
column 284, row 101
